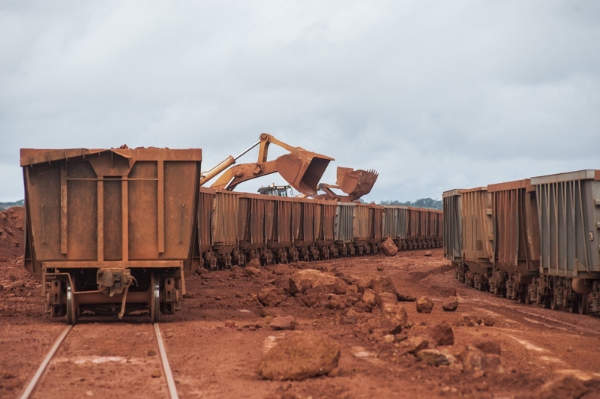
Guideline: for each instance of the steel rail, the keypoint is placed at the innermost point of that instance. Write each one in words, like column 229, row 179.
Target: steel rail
column 165, row 364
column 40, row 371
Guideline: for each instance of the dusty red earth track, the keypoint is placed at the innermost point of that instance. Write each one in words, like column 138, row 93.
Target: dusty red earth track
column 218, row 339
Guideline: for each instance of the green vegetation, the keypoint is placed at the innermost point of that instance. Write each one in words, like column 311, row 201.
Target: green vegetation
column 6, row 205
column 420, row 203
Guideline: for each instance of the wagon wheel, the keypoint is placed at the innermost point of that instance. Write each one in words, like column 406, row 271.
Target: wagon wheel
column 582, row 304
column 553, row 300
column 573, row 306
column 154, row 298
column 71, row 306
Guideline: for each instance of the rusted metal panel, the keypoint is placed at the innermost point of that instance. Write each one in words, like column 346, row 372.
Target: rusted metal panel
column 375, row 223
column 327, row 232
column 205, row 212
column 569, row 216
column 103, row 205
column 402, row 223
column 452, row 205
column 478, row 239
column 302, row 222
column 414, row 223
column 284, row 222
column 224, row 220
column 390, row 218
column 361, row 222
column 516, row 227
column 251, row 221
column 344, row 222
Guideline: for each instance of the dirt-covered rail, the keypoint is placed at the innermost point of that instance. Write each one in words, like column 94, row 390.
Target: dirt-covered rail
column 51, row 379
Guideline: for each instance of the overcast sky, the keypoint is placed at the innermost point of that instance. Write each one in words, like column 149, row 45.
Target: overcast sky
column 434, row 95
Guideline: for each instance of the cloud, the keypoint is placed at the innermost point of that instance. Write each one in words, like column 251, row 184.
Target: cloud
column 434, row 95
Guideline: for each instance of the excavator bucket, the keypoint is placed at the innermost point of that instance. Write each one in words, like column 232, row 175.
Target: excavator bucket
column 303, row 169
column 356, row 183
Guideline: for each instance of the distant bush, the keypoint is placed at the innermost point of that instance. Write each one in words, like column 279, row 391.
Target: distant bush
column 6, row 205
column 420, row 203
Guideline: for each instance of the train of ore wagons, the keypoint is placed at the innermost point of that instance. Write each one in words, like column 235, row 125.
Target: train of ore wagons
column 534, row 240
column 112, row 231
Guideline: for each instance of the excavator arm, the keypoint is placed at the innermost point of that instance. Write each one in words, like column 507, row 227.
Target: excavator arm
column 302, row 169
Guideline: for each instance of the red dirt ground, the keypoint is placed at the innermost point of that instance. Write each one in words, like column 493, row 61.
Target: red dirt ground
column 218, row 339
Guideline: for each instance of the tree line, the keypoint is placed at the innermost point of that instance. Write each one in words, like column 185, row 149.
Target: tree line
column 420, row 203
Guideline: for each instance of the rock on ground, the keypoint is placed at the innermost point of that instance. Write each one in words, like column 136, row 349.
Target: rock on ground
column 442, row 334
column 434, row 357
column 284, row 323
column 474, row 360
column 368, row 297
column 424, row 305
column 254, row 262
column 404, row 297
column 271, row 296
column 306, row 279
column 385, row 297
column 389, row 248
column 252, row 271
column 300, row 355
column 450, row 304
column 395, row 317
column 414, row 344
column 383, row 284
column 488, row 346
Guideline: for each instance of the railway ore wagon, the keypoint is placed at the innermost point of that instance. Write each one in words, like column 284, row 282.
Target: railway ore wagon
column 218, row 213
column 361, row 229
column 375, row 228
column 477, row 235
column 251, row 230
column 569, row 217
column 344, row 228
column 325, row 216
column 453, row 246
column 434, row 236
column 395, row 225
column 516, row 239
column 111, row 231
column 307, row 227
column 417, row 228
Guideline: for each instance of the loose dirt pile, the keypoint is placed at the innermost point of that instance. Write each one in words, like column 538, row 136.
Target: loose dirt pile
column 11, row 233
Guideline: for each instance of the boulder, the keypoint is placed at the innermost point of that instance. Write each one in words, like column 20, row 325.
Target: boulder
column 368, row 297
column 413, row 345
column 450, row 304
column 388, row 247
column 567, row 386
column 471, row 321
column 404, row 297
column 434, row 357
column 488, row 321
column 488, row 346
column 300, row 355
column 474, row 360
column 340, row 287
column 395, row 317
column 306, row 279
column 271, row 296
column 254, row 262
column 336, row 302
column 442, row 334
column 364, row 284
column 424, row 305
column 383, row 284
column 252, row 271
column 385, row 297
column 284, row 323
column 428, row 253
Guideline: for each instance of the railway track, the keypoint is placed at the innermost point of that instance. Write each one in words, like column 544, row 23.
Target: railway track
column 44, row 374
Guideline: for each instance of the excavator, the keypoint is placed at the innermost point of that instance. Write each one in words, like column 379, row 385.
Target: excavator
column 302, row 169
column 355, row 183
